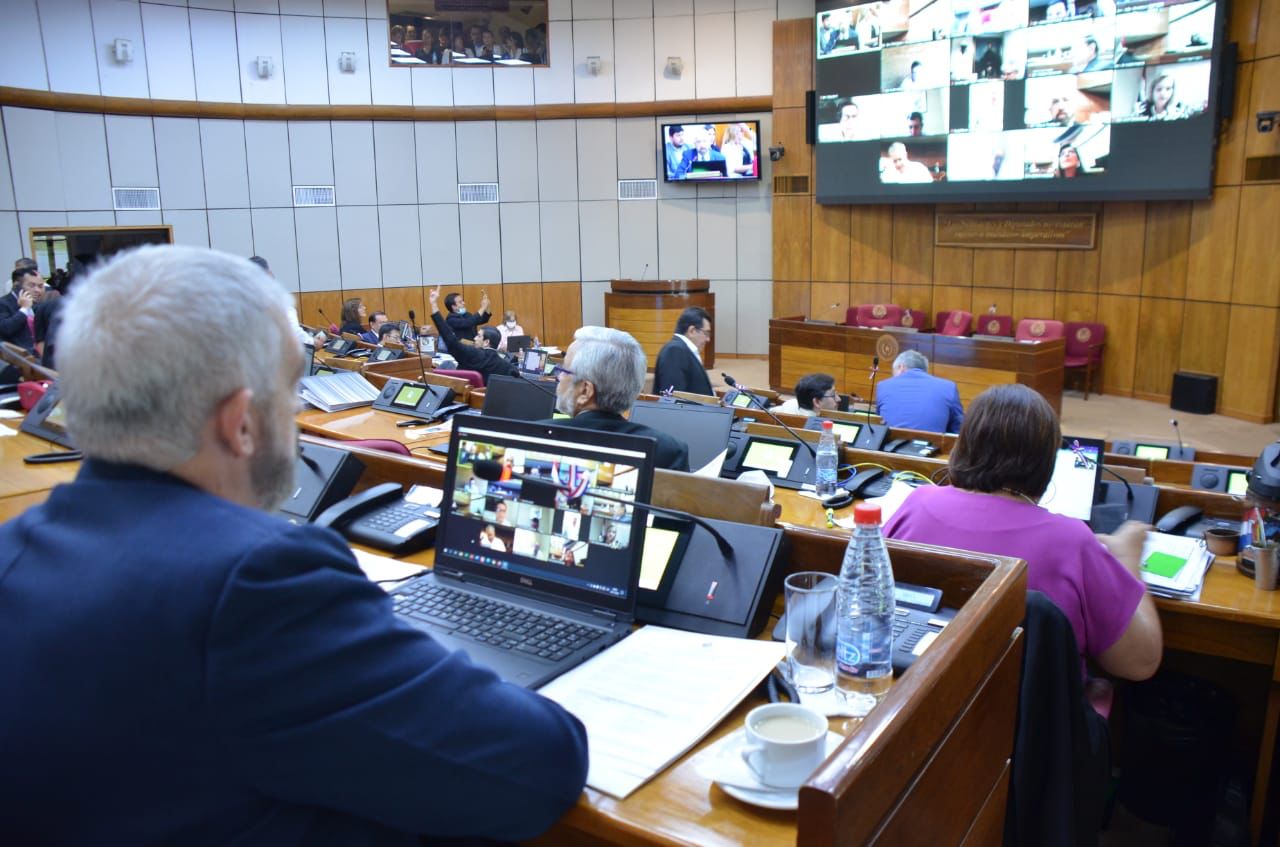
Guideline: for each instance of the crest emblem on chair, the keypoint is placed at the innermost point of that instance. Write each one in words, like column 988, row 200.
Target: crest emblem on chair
column 1083, row 334
column 907, row 319
column 993, row 327
column 878, row 311
column 957, row 319
column 1037, row 328
column 887, row 347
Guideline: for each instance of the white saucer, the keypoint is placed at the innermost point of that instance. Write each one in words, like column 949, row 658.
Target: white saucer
column 725, row 767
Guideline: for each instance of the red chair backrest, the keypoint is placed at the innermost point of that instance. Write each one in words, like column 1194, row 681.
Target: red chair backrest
column 956, row 323
column 876, row 315
column 995, row 325
column 473, row 377
column 1038, row 329
column 386, row 445
column 1081, row 337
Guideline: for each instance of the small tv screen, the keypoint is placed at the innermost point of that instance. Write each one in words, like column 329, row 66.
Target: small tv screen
column 706, row 152
column 973, row 100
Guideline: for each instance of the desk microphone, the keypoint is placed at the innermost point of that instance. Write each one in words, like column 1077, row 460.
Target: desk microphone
column 875, row 371
column 422, row 365
column 327, row 323
column 760, row 405
column 644, row 272
column 1181, row 450
column 491, row 471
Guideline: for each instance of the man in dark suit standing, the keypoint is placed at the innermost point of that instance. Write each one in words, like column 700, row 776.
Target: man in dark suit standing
column 679, row 365
column 602, row 376
column 481, row 357
column 237, row 679
column 17, row 308
column 462, row 322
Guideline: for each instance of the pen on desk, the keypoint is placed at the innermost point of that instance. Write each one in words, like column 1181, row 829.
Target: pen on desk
column 831, row 519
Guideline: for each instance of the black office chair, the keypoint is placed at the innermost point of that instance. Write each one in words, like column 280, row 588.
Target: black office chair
column 1061, row 749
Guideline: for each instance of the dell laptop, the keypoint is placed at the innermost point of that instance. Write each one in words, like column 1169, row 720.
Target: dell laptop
column 523, row 582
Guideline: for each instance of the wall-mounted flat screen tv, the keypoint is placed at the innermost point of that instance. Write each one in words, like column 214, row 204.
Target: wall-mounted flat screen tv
column 706, row 152
column 970, row 100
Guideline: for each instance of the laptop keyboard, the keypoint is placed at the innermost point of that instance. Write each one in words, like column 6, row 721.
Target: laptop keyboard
column 492, row 622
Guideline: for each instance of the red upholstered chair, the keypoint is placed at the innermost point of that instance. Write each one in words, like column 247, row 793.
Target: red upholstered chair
column 989, row 324
column 877, row 315
column 1084, row 350
column 912, row 319
column 955, row 323
column 1038, row 329
column 473, row 377
column 386, row 445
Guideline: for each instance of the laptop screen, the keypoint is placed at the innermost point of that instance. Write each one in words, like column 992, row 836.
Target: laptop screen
column 533, row 361
column 1076, row 474
column 527, row 507
column 705, row 429
column 511, row 397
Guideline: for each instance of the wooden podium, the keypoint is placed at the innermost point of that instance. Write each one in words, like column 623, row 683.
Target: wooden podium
column 649, row 310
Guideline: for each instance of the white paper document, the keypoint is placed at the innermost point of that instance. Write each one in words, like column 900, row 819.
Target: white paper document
column 382, row 570
column 655, row 694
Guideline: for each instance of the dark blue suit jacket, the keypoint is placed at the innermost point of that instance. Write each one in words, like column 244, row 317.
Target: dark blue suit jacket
column 179, row 669
column 677, row 367
column 917, row 400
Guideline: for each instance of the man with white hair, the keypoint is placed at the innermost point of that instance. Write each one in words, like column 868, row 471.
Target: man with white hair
column 186, row 667
column 916, row 399
column 602, row 375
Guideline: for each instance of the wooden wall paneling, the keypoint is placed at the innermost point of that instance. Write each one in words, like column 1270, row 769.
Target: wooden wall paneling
column 372, row 298
column 870, row 243
column 828, row 301
column 398, row 301
column 790, row 297
column 314, row 302
column 561, row 311
column 1159, row 341
column 1242, row 27
column 1032, row 304
column 1264, row 90
column 473, row 293
column 1075, row 306
column 1035, row 269
column 793, row 46
column 1120, row 314
column 950, row 297
column 525, row 298
column 862, row 293
column 1268, row 29
column 1211, row 254
column 1229, row 163
column 1204, row 337
column 1257, row 275
column 984, row 297
column 830, row 262
column 1248, row 384
column 1164, row 258
column 992, row 267
column 791, row 237
column 1123, row 232
column 953, row 265
column 788, row 132
column 916, row 297
column 912, row 245
column 1078, row 269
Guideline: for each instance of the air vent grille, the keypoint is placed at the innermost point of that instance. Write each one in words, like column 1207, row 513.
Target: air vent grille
column 791, row 184
column 130, row 199
column 637, row 189
column 478, row 192
column 313, row 195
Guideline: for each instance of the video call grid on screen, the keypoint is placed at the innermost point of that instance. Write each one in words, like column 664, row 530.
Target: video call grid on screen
column 965, row 100
column 540, row 529
column 1074, row 484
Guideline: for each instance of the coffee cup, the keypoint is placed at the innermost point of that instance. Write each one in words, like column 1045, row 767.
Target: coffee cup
column 785, row 743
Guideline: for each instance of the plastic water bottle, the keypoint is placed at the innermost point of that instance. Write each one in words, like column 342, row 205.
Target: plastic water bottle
column 828, row 460
column 865, row 608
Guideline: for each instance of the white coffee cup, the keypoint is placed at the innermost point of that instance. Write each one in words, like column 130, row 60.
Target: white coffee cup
column 785, row 743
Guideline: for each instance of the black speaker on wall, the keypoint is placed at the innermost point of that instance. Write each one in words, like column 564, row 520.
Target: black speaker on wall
column 1227, row 88
column 810, row 117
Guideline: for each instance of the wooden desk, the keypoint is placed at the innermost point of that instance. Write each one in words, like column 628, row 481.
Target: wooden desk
column 798, row 347
column 18, row 479
column 649, row 311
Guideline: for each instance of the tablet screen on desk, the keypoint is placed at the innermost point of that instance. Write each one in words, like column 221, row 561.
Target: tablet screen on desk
column 409, row 395
column 1150, row 451
column 1076, row 470
column 769, row 457
column 1237, row 483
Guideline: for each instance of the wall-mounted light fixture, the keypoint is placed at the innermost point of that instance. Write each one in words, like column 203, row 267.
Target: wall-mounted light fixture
column 265, row 66
column 347, row 62
column 594, row 65
column 675, row 67
column 122, row 51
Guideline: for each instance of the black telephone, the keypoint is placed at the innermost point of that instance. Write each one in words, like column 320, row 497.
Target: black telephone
column 416, row 399
column 384, row 517
column 340, row 346
column 869, row 482
column 1178, row 521
column 910, row 446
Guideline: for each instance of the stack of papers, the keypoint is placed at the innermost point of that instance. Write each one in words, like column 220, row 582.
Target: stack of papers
column 1174, row 565
column 653, row 695
column 342, row 390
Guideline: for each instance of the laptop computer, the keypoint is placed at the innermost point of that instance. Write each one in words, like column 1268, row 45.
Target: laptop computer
column 516, row 541
column 705, row 429
column 517, row 344
column 1076, row 473
column 533, row 361
column 511, row 397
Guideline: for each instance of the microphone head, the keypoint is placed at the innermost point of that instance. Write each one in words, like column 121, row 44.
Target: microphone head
column 487, row 469
column 413, row 318
column 728, row 380
column 875, row 361
column 1173, row 421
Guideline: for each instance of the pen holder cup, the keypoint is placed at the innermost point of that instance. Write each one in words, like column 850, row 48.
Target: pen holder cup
column 1264, row 565
column 1222, row 542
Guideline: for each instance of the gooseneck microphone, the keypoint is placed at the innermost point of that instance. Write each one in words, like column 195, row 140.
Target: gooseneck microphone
column 875, row 372
column 759, row 404
column 422, row 365
column 1181, row 450
column 491, row 471
column 644, row 272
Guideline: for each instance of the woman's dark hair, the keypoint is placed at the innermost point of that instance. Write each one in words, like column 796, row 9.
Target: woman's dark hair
column 351, row 311
column 1009, row 442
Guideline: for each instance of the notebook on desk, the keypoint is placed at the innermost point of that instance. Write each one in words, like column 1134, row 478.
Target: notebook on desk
column 519, row 584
